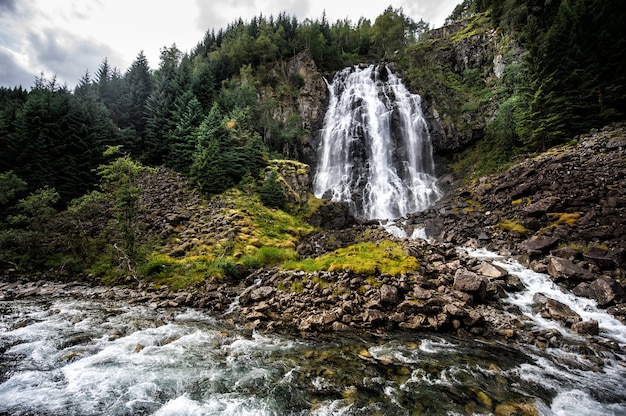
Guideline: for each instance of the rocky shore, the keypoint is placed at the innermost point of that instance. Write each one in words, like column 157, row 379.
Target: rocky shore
column 560, row 213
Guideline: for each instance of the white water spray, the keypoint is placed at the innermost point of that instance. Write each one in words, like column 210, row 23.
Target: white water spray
column 375, row 153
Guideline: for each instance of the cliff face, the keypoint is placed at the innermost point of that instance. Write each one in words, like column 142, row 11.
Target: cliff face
column 458, row 69
column 302, row 105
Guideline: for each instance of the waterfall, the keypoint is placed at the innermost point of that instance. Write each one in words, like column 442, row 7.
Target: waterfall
column 375, row 152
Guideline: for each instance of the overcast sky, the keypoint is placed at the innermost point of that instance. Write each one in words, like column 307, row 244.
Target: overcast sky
column 66, row 38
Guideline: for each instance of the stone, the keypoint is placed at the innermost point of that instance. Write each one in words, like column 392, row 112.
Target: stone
column 542, row 206
column 388, row 294
column 374, row 316
column 491, row 271
column 261, row 293
column 563, row 269
column 604, row 290
column 339, row 326
column 513, row 283
column 539, row 244
column 589, row 327
column 553, row 309
column 470, row 282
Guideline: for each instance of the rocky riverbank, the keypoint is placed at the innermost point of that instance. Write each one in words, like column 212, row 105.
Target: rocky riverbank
column 561, row 212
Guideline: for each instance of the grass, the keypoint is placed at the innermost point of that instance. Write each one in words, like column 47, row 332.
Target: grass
column 363, row 258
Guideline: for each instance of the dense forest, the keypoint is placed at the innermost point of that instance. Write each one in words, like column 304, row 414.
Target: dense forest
column 202, row 113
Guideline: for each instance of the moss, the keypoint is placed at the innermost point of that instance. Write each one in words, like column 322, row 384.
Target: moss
column 513, row 225
column 559, row 218
column 521, row 201
column 362, row 258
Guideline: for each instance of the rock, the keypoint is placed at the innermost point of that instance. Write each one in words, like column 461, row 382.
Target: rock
column 374, row 316
column 562, row 269
column 513, row 283
column 604, row 290
column 538, row 244
column 492, row 271
column 469, row 282
column 599, row 257
column 553, row 309
column 542, row 206
column 339, row 326
column 388, row 294
column 586, row 327
column 261, row 293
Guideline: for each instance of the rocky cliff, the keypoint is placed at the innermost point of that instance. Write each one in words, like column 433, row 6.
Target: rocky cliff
column 458, row 69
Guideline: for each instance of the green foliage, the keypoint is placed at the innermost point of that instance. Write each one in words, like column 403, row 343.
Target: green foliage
column 271, row 193
column 119, row 180
column 227, row 150
column 10, row 187
column 29, row 238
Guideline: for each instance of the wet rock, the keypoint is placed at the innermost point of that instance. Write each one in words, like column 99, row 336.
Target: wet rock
column 562, row 269
column 604, row 290
column 553, row 309
column 586, row 327
column 513, row 283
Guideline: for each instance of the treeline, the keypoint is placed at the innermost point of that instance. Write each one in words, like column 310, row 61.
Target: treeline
column 571, row 78
column 196, row 112
column 209, row 114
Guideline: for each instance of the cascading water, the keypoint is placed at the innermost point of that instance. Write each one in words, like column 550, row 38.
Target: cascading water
column 375, row 153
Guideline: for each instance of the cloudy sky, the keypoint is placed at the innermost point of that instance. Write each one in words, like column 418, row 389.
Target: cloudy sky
column 66, row 38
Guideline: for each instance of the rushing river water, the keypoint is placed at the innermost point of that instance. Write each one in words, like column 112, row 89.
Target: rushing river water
column 79, row 357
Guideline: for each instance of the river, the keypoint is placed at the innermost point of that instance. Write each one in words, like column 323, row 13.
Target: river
column 83, row 357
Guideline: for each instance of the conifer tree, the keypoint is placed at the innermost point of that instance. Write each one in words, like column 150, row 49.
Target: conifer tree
column 271, row 193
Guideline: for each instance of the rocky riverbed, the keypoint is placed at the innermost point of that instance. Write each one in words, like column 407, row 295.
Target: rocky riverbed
column 561, row 213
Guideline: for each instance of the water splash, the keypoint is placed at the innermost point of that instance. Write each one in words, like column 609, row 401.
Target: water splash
column 375, row 153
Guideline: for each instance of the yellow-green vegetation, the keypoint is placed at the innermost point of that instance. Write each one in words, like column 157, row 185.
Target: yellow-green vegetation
column 513, row 225
column 476, row 25
column 256, row 236
column 520, row 201
column 363, row 258
column 559, row 218
column 473, row 206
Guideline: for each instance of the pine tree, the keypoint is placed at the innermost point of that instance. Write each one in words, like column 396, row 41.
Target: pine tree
column 271, row 193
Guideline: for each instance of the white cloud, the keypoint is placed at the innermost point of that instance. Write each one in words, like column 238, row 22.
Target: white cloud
column 68, row 37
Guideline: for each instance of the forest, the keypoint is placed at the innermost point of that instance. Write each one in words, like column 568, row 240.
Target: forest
column 202, row 113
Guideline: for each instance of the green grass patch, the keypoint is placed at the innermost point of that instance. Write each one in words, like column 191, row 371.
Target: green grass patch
column 363, row 258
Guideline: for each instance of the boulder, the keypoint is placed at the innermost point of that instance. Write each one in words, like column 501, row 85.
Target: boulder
column 469, row 282
column 491, row 271
column 553, row 309
column 563, row 269
column 539, row 244
column 388, row 294
column 604, row 290
column 540, row 207
column 586, row 327
column 374, row 316
column 261, row 293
